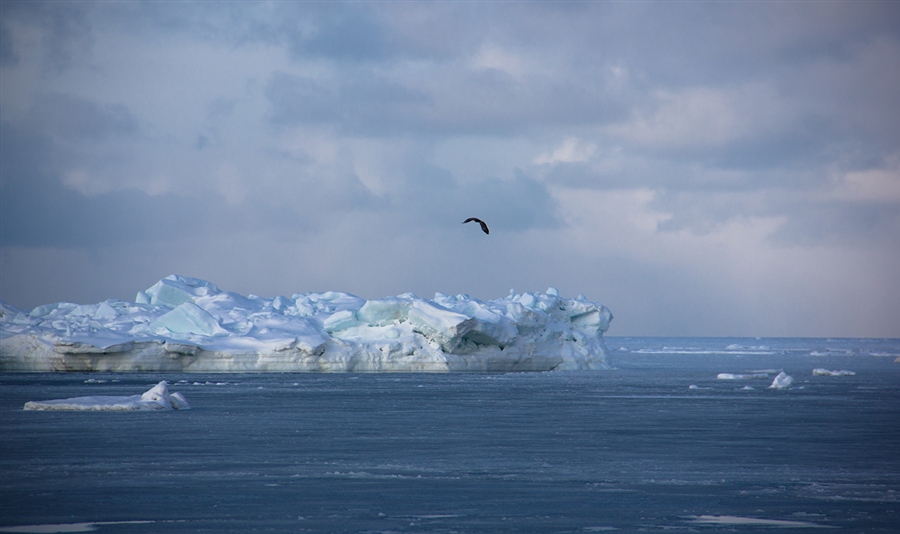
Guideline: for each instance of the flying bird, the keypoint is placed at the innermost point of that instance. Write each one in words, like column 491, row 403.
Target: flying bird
column 479, row 221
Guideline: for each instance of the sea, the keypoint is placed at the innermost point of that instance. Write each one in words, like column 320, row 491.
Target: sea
column 657, row 443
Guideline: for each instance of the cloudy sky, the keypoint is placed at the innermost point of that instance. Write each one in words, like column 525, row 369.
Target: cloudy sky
column 702, row 168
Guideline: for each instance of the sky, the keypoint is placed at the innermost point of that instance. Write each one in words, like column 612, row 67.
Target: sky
column 701, row 168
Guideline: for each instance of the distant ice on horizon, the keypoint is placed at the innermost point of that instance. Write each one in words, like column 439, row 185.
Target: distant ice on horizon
column 825, row 372
column 189, row 324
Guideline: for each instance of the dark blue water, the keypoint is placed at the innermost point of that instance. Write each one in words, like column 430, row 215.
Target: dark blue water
column 633, row 449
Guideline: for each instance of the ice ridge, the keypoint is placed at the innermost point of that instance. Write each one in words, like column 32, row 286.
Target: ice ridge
column 188, row 324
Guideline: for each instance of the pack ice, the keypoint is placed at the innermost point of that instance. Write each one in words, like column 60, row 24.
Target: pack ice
column 188, row 324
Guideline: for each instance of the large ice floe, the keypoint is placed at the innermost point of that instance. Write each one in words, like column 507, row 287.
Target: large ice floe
column 188, row 324
column 156, row 398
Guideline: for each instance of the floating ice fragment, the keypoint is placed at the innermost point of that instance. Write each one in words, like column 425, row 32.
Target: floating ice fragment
column 59, row 528
column 751, row 521
column 156, row 398
column 742, row 376
column 826, row 372
column 782, row 381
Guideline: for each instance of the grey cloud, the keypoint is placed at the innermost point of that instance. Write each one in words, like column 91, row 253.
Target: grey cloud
column 511, row 204
column 363, row 34
column 351, row 33
column 679, row 45
column 37, row 211
column 516, row 204
column 472, row 103
column 71, row 118
column 807, row 218
column 8, row 55
column 585, row 175
column 64, row 26
column 852, row 225
column 344, row 33
column 360, row 105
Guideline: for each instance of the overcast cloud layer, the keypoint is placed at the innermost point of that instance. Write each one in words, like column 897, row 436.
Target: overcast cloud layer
column 701, row 168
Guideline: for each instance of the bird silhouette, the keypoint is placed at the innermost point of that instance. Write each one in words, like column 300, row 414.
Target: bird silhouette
column 479, row 221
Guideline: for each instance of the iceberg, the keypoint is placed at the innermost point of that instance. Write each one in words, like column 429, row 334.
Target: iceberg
column 156, row 398
column 183, row 324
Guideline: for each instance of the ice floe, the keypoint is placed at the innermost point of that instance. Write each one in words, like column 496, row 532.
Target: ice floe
column 156, row 398
column 734, row 521
column 742, row 376
column 825, row 372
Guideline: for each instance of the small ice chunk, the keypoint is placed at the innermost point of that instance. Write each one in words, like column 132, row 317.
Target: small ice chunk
column 782, row 381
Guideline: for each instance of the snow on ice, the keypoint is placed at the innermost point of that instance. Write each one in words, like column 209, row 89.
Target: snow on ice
column 825, row 372
column 782, row 381
column 742, row 376
column 156, row 398
column 188, row 324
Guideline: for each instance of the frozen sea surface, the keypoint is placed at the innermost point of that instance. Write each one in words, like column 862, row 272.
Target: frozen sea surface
column 656, row 444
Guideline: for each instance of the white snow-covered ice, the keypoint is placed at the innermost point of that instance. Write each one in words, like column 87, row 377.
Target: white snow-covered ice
column 825, row 372
column 742, row 376
column 737, row 521
column 782, row 381
column 156, row 398
column 188, row 324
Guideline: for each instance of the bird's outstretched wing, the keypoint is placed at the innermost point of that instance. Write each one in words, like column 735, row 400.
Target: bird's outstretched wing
column 484, row 227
